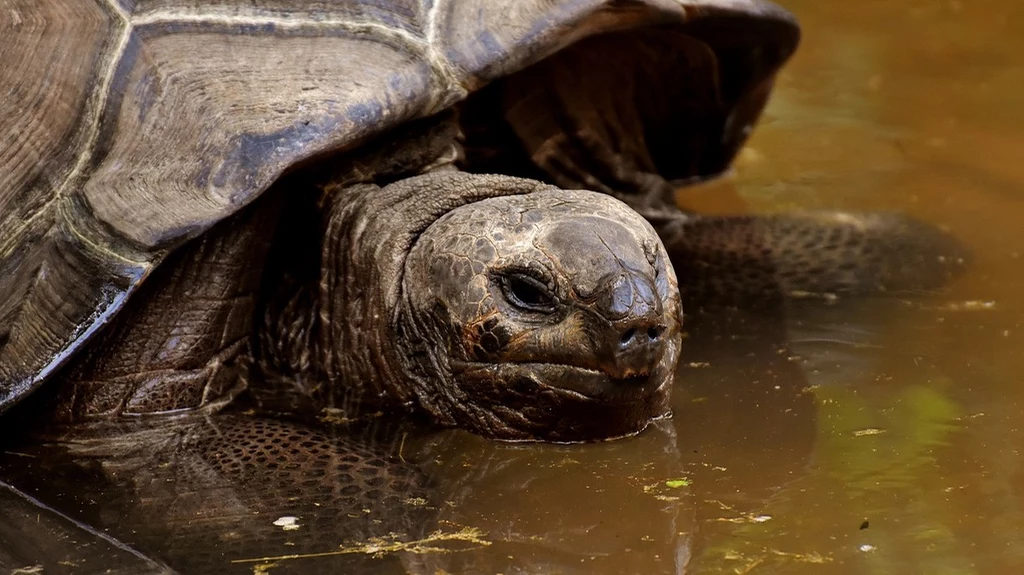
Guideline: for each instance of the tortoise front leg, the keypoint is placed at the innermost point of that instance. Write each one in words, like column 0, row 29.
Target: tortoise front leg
column 178, row 341
column 621, row 114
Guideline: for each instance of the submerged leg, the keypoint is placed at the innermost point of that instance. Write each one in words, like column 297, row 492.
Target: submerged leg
column 733, row 259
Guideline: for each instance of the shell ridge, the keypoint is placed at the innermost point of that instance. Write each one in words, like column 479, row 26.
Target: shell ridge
column 442, row 67
column 166, row 16
column 95, row 107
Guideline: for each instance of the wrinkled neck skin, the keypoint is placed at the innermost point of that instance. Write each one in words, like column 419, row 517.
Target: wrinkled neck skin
column 372, row 354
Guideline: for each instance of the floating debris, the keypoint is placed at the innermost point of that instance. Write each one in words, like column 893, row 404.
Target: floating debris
column 745, row 518
column 379, row 546
column 772, row 556
column 970, row 305
column 288, row 523
column 826, row 297
column 664, row 490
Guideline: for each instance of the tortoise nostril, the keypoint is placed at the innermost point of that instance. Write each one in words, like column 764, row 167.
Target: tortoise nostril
column 640, row 349
column 635, row 337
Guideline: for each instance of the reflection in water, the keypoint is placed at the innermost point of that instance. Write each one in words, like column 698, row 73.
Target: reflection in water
column 238, row 493
column 875, row 436
column 230, row 492
column 566, row 509
column 34, row 538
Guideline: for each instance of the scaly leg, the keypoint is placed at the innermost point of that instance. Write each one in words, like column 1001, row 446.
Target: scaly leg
column 177, row 343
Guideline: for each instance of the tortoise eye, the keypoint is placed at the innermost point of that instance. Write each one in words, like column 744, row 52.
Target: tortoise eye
column 527, row 293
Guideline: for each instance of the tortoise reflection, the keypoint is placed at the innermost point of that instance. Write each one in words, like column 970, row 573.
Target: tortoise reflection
column 237, row 493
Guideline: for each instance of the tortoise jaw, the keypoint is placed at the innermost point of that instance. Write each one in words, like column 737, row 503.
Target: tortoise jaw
column 587, row 382
column 584, row 383
column 560, row 403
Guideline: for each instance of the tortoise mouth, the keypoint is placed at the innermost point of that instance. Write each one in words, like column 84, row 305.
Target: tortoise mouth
column 561, row 403
column 580, row 383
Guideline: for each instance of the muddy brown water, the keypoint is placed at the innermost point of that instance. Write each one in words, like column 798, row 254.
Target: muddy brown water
column 873, row 436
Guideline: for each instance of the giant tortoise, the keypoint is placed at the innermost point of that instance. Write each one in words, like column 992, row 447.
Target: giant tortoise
column 415, row 253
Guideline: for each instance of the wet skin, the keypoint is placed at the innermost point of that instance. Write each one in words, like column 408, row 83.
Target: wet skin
column 560, row 311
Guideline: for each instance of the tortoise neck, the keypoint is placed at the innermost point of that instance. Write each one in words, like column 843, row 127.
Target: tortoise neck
column 286, row 351
column 362, row 257
column 328, row 339
column 319, row 336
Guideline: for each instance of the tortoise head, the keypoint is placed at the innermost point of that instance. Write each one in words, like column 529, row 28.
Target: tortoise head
column 552, row 315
